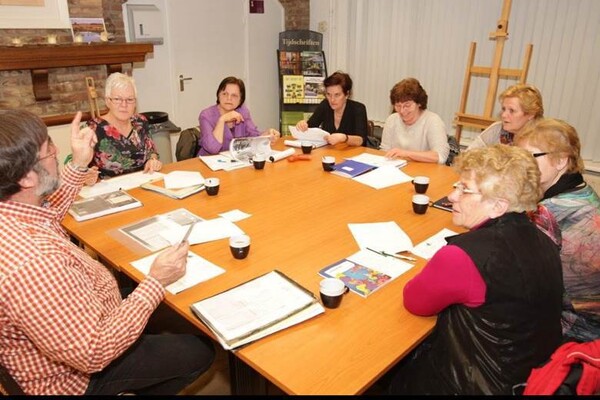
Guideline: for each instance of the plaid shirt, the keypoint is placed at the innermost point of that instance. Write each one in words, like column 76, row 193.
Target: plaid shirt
column 61, row 313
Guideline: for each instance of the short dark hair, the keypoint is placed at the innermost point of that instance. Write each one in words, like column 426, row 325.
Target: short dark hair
column 22, row 135
column 234, row 81
column 339, row 78
column 409, row 89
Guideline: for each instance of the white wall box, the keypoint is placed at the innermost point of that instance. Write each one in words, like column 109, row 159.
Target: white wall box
column 145, row 23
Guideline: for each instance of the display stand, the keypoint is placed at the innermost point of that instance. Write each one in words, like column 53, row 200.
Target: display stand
column 495, row 72
column 302, row 69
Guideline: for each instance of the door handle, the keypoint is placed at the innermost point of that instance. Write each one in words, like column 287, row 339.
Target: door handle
column 181, row 79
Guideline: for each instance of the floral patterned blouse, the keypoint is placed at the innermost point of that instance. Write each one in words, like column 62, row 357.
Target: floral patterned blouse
column 115, row 154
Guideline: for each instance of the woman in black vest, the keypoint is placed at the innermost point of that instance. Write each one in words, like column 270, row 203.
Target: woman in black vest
column 496, row 289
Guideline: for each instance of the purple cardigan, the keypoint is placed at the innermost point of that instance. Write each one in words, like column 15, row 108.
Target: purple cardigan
column 208, row 119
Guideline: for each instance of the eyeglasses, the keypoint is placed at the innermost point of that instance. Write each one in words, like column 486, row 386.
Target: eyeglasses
column 407, row 105
column 536, row 155
column 462, row 189
column 233, row 96
column 51, row 154
column 120, row 100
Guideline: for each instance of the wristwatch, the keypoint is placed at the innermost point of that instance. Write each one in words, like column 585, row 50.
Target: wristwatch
column 80, row 169
column 345, row 141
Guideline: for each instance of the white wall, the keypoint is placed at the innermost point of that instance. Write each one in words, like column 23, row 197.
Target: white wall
column 156, row 80
column 381, row 42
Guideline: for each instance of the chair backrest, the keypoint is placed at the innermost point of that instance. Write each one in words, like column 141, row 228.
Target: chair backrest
column 454, row 149
column 188, row 144
column 8, row 386
column 373, row 141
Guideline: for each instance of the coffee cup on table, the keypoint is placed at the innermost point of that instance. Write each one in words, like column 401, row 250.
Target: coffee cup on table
column 420, row 202
column 307, row 147
column 328, row 163
column 421, row 184
column 331, row 291
column 239, row 246
column 258, row 160
column 212, row 186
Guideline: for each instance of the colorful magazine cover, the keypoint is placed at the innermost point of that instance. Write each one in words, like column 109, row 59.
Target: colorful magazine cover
column 358, row 278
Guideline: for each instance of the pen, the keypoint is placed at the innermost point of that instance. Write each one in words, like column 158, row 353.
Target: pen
column 187, row 234
column 383, row 253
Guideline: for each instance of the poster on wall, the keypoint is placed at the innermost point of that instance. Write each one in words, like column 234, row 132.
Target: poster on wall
column 87, row 30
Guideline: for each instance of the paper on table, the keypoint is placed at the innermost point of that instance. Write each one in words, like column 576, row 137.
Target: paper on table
column 311, row 134
column 235, row 215
column 378, row 161
column 204, row 231
column 182, row 179
column 222, row 161
column 427, row 248
column 121, row 182
column 383, row 177
column 382, row 236
column 198, row 270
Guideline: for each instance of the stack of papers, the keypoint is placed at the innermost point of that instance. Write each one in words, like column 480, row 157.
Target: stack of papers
column 257, row 308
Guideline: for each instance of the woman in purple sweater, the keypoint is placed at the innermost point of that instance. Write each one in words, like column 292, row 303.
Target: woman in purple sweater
column 228, row 119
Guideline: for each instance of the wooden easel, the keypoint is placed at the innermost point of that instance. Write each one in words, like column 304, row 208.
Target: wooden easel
column 494, row 73
column 92, row 97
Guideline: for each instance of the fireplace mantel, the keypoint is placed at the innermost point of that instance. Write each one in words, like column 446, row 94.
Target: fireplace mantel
column 71, row 55
column 40, row 58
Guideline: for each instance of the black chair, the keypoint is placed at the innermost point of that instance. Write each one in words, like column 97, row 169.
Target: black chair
column 188, row 144
column 373, row 141
column 8, row 386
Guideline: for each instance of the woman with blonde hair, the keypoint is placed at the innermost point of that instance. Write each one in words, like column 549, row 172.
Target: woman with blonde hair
column 573, row 205
column 520, row 104
column 496, row 289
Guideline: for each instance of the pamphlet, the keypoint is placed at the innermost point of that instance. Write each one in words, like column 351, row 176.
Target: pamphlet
column 351, row 168
column 257, row 308
column 147, row 232
column 366, row 271
column 104, row 204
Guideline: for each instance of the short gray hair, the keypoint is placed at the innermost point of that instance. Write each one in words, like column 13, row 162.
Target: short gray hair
column 119, row 80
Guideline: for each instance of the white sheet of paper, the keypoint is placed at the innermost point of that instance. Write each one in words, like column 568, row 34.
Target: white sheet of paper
column 428, row 247
column 235, row 215
column 378, row 161
column 383, row 177
column 121, row 182
column 198, row 270
column 386, row 236
column 181, row 179
column 204, row 231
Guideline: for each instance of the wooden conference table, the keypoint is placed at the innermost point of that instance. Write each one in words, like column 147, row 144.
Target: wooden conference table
column 299, row 224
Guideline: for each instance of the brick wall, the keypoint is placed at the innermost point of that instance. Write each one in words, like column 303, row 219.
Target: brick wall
column 67, row 85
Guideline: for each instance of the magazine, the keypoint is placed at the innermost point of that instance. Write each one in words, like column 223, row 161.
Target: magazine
column 366, row 271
